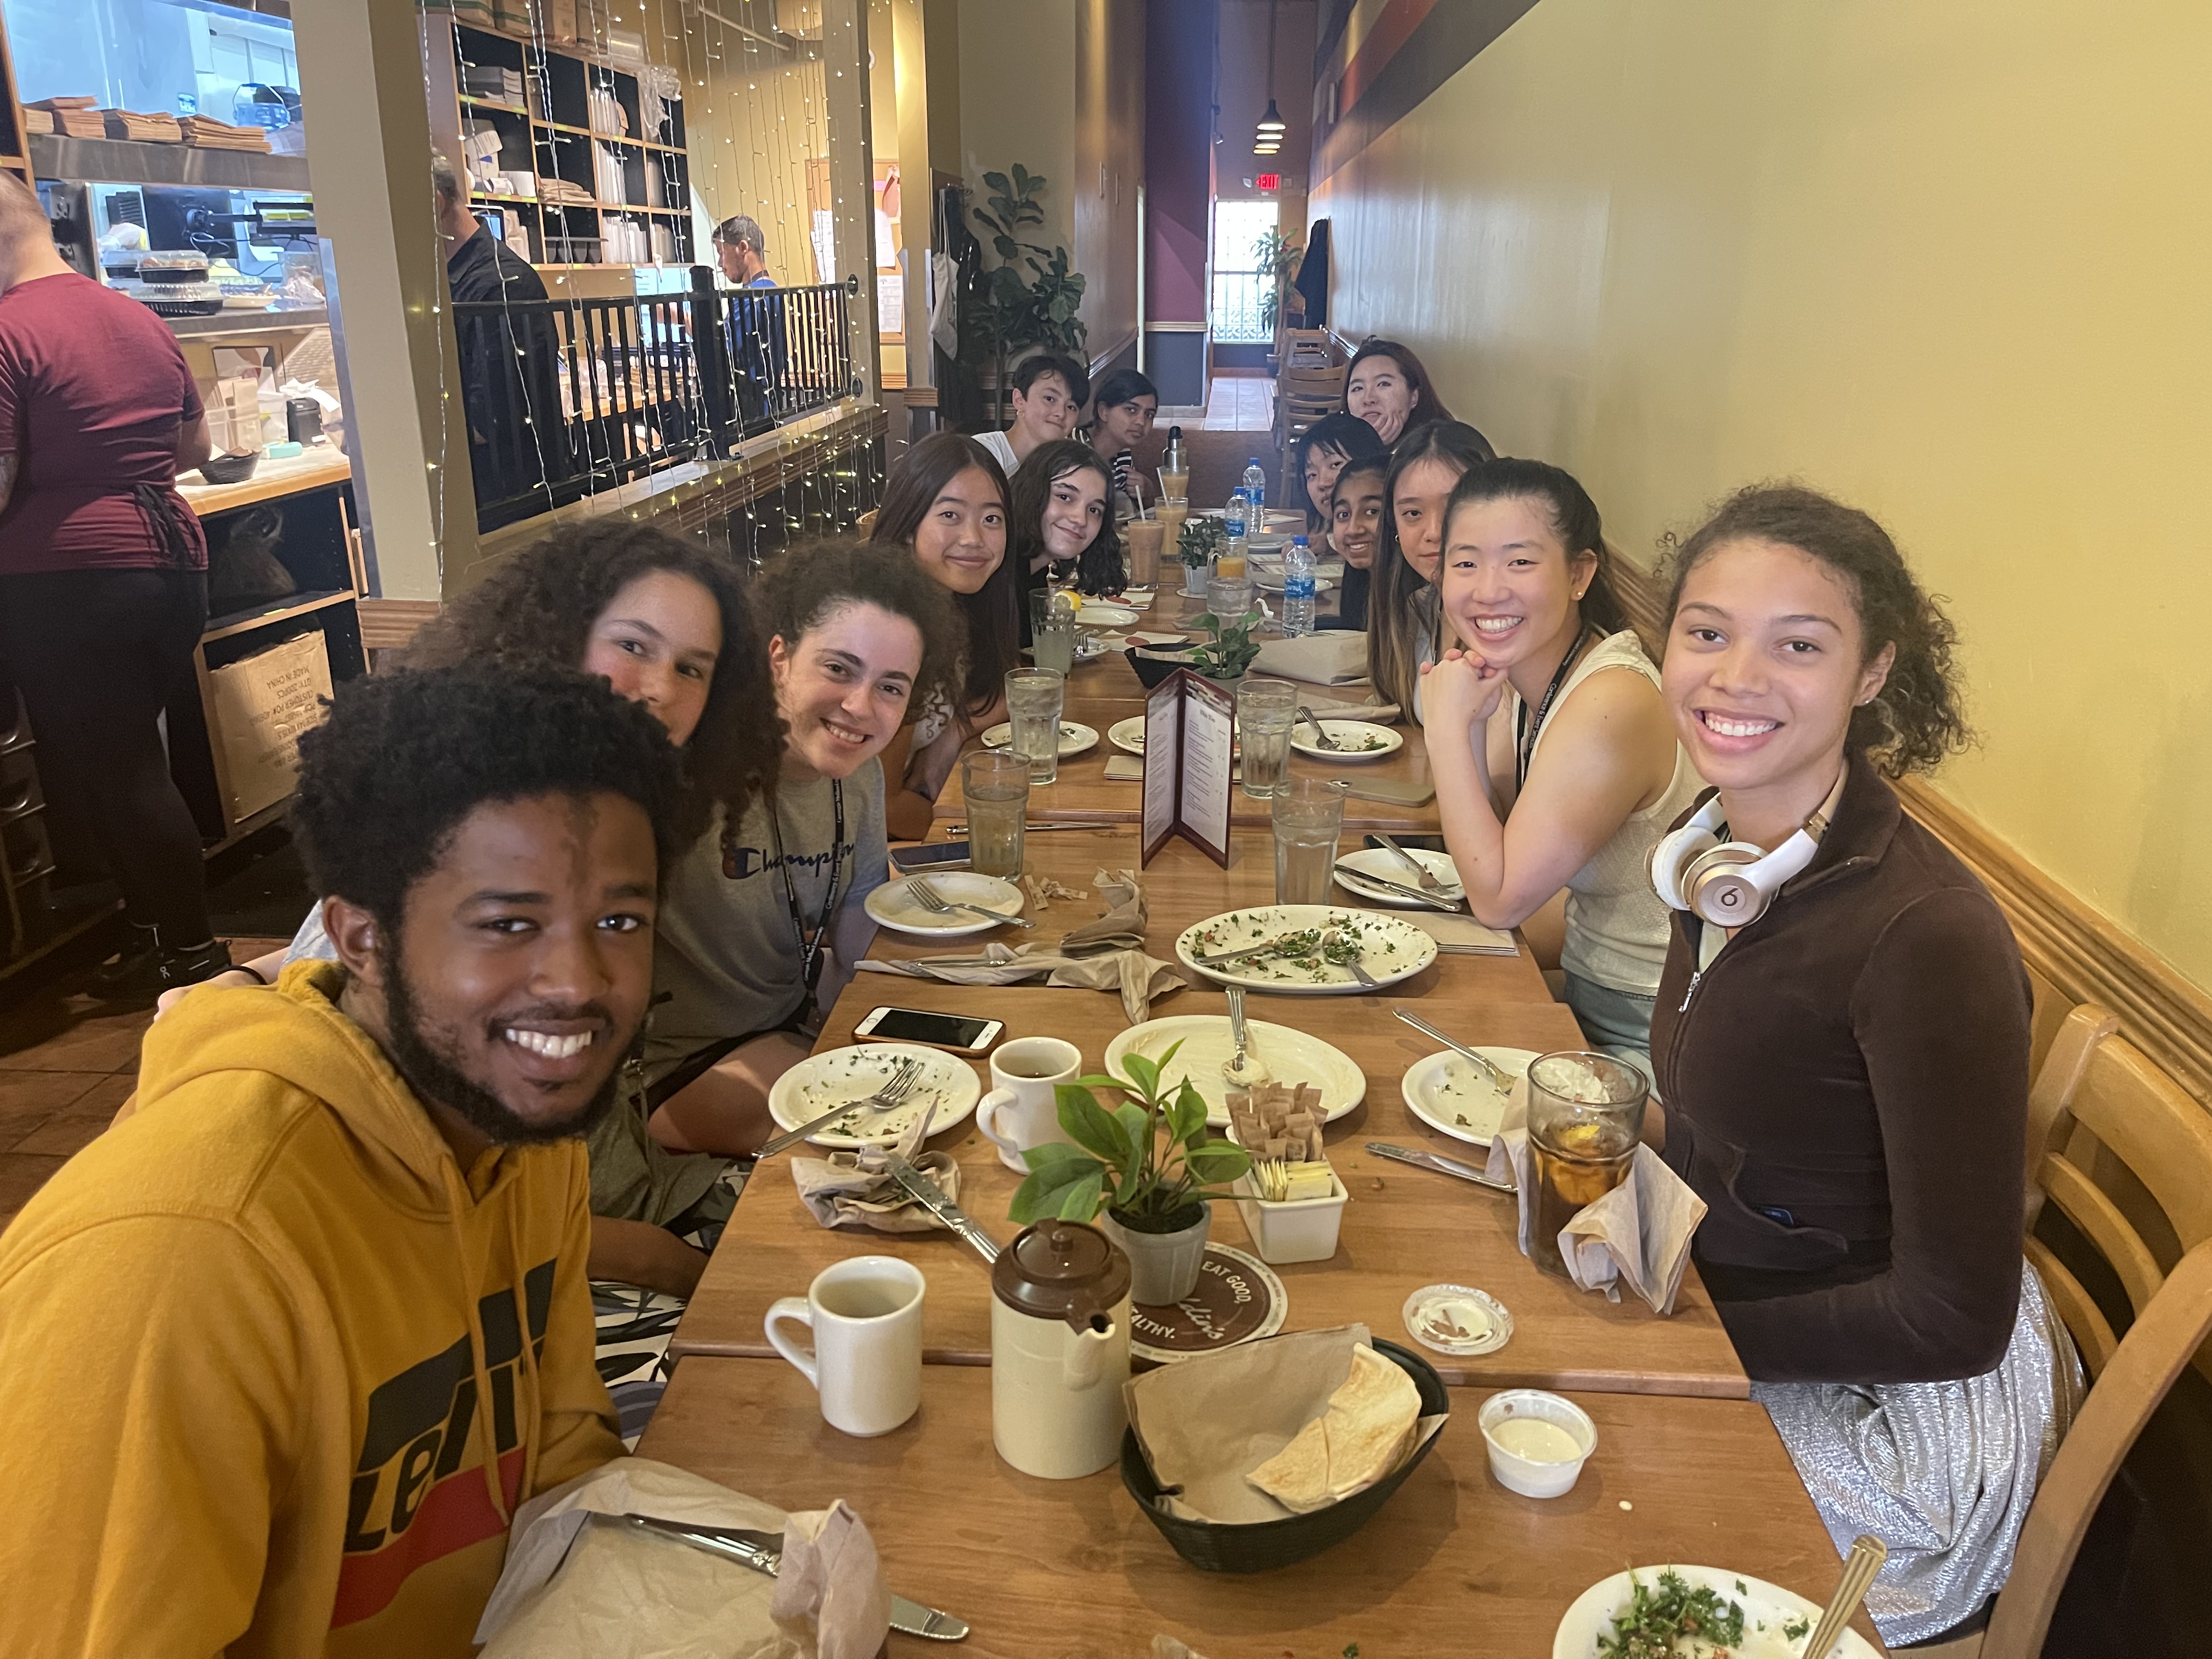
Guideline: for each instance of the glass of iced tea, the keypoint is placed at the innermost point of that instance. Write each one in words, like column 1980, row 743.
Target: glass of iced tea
column 1585, row 1116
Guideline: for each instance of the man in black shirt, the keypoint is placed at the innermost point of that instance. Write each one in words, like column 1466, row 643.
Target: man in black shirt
column 510, row 363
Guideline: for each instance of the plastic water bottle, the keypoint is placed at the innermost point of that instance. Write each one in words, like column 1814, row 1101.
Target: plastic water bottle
column 1255, row 489
column 1233, row 516
column 1298, row 588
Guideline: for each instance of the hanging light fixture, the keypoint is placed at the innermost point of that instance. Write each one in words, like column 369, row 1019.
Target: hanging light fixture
column 1267, row 138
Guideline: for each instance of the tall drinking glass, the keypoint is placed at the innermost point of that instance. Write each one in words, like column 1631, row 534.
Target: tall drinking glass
column 1309, row 816
column 996, row 786
column 1230, row 597
column 1034, row 697
column 1585, row 1116
column 1265, row 709
column 1146, row 538
column 1052, row 633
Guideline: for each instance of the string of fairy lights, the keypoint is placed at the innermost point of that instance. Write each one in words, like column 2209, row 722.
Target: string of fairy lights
column 702, row 49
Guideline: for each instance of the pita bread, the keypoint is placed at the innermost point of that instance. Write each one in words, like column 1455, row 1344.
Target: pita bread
column 1352, row 1444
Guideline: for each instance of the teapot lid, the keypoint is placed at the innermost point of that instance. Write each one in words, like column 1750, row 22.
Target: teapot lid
column 1061, row 1270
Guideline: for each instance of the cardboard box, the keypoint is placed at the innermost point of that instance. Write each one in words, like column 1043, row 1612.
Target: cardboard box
column 258, row 708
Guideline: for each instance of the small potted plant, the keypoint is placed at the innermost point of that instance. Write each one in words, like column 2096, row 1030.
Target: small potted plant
column 1229, row 648
column 1201, row 540
column 1145, row 1170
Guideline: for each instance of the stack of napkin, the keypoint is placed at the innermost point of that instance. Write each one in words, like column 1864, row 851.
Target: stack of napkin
column 1639, row 1232
column 75, row 117
column 1105, row 955
column 159, row 128
column 207, row 133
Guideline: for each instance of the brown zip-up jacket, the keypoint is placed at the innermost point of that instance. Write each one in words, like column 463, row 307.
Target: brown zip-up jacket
column 1846, row 1088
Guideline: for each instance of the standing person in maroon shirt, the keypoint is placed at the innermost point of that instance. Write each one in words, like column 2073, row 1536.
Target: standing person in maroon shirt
column 103, row 578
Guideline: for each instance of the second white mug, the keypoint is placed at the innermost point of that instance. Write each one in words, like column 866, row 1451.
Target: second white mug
column 866, row 1362
column 1022, row 1110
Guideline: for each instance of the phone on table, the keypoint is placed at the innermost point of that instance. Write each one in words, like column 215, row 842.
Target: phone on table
column 956, row 1034
column 1423, row 843
column 931, row 855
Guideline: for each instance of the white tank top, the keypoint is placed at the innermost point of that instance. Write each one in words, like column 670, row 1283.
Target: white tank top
column 1617, row 927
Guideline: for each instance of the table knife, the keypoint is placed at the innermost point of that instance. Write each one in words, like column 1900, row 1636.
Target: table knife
column 764, row 1552
column 1439, row 1163
column 1431, row 900
column 931, row 1196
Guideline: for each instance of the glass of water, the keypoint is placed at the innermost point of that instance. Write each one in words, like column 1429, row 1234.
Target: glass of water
column 996, row 786
column 1052, row 632
column 1034, row 697
column 1265, row 708
column 1309, row 817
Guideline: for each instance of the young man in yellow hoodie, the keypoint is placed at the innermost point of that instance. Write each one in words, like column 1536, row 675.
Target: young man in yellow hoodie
column 285, row 1350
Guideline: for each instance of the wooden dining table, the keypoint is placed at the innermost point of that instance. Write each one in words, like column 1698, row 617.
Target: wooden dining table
column 1453, row 1565
column 1403, row 1228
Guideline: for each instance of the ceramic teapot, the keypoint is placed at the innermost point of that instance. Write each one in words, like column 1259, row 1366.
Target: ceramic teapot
column 1060, row 1350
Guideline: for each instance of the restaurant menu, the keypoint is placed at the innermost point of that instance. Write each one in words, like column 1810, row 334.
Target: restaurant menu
column 1190, row 732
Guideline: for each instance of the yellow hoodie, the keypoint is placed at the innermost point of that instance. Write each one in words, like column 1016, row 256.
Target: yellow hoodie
column 257, row 1341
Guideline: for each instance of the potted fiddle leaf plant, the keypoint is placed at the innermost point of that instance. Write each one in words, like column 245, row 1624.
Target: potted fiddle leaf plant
column 1229, row 648
column 1200, row 540
column 1145, row 1170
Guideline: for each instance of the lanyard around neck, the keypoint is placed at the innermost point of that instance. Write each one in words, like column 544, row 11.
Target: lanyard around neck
column 1526, row 731
column 810, row 951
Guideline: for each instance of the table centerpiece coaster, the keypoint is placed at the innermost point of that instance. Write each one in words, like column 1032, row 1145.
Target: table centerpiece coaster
column 1238, row 1299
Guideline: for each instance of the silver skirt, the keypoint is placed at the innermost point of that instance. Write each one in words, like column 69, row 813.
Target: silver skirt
column 1942, row 1473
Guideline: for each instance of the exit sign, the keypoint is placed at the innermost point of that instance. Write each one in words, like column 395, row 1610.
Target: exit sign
column 1269, row 181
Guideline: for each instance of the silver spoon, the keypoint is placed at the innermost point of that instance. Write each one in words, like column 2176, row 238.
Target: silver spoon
column 1333, row 935
column 1502, row 1079
column 1243, row 1069
column 1860, row 1566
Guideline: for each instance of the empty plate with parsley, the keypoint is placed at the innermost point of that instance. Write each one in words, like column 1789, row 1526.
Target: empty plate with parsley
column 1450, row 1092
column 1692, row 1612
column 1308, row 950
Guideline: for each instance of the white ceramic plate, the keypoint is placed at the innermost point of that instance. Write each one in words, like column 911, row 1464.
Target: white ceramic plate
column 1767, row 1609
column 1129, row 735
column 1097, row 613
column 1451, row 1095
column 1391, row 949
column 895, row 907
column 1351, row 732
column 824, row 1080
column 1374, row 861
column 1074, row 738
column 1271, row 581
column 1291, row 1055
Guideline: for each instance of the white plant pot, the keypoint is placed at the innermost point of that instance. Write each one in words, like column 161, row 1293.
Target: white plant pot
column 1194, row 581
column 1163, row 1267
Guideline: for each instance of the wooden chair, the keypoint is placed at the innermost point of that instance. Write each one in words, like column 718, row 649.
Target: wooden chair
column 1303, row 395
column 2126, row 1157
column 1307, row 348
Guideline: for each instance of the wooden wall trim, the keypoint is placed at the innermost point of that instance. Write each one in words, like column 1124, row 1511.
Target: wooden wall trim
column 388, row 625
column 2068, row 941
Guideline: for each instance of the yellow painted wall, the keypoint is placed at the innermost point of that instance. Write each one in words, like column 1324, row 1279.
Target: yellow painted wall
column 1950, row 262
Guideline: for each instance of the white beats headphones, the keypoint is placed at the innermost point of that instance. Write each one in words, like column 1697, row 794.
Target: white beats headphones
column 1729, row 884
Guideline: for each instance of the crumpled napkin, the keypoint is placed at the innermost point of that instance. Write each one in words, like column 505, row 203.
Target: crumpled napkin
column 1639, row 1232
column 1105, row 955
column 610, row 1591
column 1382, row 714
column 854, row 1188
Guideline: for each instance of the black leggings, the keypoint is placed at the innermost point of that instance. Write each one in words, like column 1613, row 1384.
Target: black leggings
column 97, row 655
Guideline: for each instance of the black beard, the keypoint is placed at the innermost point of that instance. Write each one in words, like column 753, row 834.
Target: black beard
column 434, row 1078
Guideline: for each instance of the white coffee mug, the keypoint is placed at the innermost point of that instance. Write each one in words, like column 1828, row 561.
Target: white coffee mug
column 1022, row 1110
column 866, row 1313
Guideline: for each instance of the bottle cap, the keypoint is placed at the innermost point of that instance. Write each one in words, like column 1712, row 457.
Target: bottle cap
column 1299, row 541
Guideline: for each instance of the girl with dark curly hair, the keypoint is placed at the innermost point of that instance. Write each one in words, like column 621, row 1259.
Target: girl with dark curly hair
column 763, row 920
column 1841, row 1047
column 946, row 504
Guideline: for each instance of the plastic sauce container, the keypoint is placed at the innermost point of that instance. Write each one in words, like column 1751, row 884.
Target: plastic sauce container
column 1538, row 1441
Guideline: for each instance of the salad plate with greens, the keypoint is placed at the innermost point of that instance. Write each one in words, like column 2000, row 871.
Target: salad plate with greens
column 1309, row 949
column 1692, row 1612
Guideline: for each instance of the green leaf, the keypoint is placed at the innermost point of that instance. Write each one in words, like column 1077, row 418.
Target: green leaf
column 1043, row 1193
column 997, row 180
column 1089, row 1126
column 1144, row 1073
column 1082, row 1201
column 1043, row 1158
column 1217, row 1162
column 1187, row 1113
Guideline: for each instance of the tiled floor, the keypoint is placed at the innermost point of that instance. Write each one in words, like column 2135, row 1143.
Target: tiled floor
column 1244, row 404
column 67, row 1063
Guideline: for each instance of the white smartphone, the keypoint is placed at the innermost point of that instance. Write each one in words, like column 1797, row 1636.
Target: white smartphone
column 956, row 1034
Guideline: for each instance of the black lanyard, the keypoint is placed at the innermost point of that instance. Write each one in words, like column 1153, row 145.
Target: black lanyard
column 1524, row 732
column 810, row 951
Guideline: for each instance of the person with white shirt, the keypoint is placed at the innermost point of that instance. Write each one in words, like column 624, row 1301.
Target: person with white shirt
column 1049, row 392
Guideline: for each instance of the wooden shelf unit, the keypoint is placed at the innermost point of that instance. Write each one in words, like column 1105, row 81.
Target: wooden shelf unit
column 549, row 134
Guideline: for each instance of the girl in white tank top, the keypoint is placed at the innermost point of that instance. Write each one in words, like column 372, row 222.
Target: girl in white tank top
column 1550, row 772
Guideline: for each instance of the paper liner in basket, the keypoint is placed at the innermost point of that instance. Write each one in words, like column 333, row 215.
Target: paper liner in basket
column 1639, row 1232
column 1206, row 1424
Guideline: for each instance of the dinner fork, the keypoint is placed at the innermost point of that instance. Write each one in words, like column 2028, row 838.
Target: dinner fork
column 932, row 901
column 890, row 1095
column 1424, row 877
column 1497, row 1076
column 1322, row 740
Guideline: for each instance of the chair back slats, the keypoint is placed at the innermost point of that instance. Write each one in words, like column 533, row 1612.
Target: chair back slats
column 2056, row 1079
column 2086, row 1205
column 2077, row 1310
column 2145, row 1120
column 2141, row 1370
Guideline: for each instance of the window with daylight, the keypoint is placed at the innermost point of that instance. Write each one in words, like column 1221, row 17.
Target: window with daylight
column 1238, row 287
